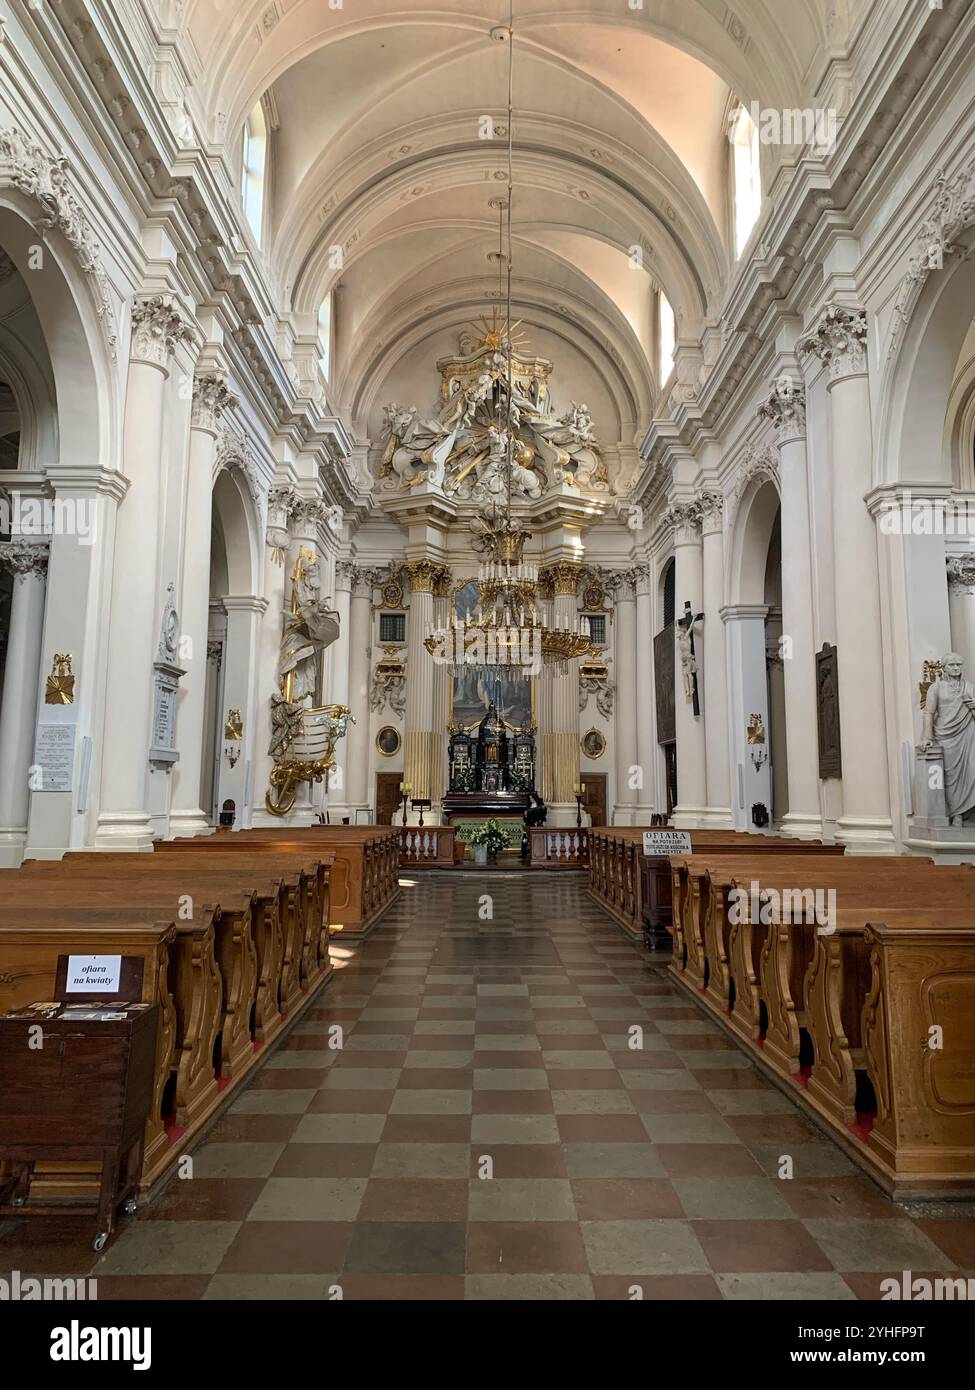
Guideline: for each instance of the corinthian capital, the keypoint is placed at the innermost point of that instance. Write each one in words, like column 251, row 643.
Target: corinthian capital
column 786, row 408
column 711, row 504
column 685, row 519
column 426, row 576
column 23, row 556
column 839, row 341
column 961, row 574
column 158, row 327
column 562, row 577
column 210, row 399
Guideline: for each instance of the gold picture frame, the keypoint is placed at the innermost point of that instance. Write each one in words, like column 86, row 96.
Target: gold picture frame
column 383, row 737
column 593, row 743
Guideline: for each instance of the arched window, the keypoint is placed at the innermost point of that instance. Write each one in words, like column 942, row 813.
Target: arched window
column 746, row 172
column 325, row 333
column 666, row 336
column 254, row 170
column 670, row 593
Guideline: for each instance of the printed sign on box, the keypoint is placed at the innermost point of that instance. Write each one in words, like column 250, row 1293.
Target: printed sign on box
column 93, row 974
column 665, row 842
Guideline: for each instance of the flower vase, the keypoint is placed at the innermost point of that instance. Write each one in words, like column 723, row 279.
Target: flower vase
column 480, row 854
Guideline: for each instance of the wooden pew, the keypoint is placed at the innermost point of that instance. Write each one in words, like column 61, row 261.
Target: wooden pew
column 364, row 876
column 249, row 945
column 636, row 889
column 812, row 1001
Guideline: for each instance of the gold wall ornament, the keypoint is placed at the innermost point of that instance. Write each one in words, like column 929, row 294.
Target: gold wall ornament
column 233, row 729
column 307, row 755
column 756, row 729
column 60, row 683
column 931, row 671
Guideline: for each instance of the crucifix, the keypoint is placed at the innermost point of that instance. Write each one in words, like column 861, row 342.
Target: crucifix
column 688, row 658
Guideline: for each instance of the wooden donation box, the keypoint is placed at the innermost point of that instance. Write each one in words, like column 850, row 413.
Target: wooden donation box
column 75, row 1085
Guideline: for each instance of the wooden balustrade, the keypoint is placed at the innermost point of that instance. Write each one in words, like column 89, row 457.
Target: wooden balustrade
column 831, row 973
column 554, row 848
column 234, row 949
column 426, row 847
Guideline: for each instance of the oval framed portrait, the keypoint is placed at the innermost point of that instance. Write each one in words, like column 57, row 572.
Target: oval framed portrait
column 388, row 741
column 593, row 744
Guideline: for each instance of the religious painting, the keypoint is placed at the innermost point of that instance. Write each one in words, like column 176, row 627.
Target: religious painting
column 476, row 687
column 593, row 744
column 388, row 741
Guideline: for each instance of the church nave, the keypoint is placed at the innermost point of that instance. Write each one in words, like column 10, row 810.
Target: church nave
column 502, row 1047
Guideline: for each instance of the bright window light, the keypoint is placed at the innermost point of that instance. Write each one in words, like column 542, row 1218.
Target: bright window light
column 253, row 169
column 747, row 173
column 666, row 335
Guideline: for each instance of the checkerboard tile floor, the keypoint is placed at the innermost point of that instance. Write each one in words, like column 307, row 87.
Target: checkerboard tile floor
column 522, row 1107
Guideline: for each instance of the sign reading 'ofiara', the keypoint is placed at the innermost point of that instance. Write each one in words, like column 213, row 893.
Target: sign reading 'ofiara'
column 664, row 842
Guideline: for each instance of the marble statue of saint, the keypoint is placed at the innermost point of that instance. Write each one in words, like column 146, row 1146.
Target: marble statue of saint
column 949, row 722
column 311, row 627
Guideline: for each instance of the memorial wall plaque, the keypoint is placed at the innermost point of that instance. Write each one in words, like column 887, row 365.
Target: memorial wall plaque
column 54, row 757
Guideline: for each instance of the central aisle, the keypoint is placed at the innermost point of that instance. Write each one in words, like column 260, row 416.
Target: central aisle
column 474, row 1042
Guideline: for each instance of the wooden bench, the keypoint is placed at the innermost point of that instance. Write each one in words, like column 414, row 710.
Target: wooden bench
column 811, row 1000
column 636, row 888
column 364, row 874
column 245, row 948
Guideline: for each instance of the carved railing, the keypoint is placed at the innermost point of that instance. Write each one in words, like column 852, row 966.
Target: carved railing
column 553, row 848
column 426, row 847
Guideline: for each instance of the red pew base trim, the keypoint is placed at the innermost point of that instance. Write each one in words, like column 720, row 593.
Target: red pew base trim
column 633, row 933
column 158, row 1166
column 915, row 1175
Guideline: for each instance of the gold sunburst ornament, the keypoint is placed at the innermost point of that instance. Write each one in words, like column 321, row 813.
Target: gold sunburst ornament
column 496, row 334
column 60, row 683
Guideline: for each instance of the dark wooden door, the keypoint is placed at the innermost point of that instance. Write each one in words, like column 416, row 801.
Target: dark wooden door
column 595, row 802
column 388, row 798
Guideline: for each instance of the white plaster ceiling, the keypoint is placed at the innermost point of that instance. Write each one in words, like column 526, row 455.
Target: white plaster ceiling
column 619, row 141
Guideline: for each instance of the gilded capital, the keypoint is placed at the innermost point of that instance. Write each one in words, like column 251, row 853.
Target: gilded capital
column 563, row 576
column 424, row 575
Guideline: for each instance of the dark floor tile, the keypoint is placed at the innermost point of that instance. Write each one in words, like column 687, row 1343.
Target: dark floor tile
column 288, row 1247
column 625, row 1199
column 406, row 1247
column 521, row 1160
column 415, row 1199
column 759, row 1247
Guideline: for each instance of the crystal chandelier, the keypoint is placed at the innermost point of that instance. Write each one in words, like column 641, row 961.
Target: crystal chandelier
column 507, row 630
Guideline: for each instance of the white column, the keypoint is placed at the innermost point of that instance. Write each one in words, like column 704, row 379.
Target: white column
column 358, row 750
column 712, row 642
column 646, row 696
column 840, row 342
column 419, row 746
column 748, row 698
column 282, row 505
column 691, row 808
column 786, row 408
column 442, row 589
column 210, row 398
column 26, row 560
column 561, row 746
column 625, row 738
column 961, row 607
column 245, row 613
column 124, row 821
column 338, row 690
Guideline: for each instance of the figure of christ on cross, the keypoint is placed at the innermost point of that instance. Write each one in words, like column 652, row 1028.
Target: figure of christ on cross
column 688, row 657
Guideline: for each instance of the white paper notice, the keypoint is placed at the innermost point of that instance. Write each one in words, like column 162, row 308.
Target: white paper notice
column 666, row 842
column 93, row 974
column 54, row 757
